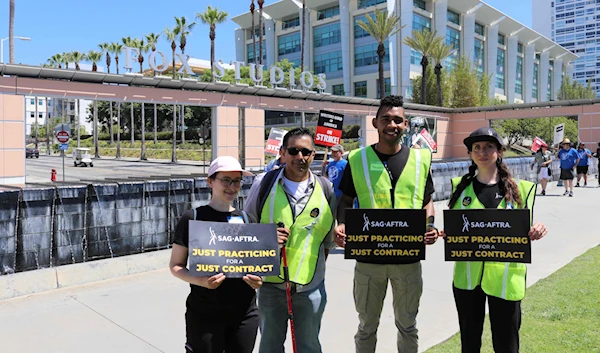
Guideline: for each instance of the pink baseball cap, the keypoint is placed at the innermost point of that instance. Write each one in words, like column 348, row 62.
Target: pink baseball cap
column 226, row 164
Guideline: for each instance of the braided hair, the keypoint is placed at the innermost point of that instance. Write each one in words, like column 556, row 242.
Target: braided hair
column 511, row 188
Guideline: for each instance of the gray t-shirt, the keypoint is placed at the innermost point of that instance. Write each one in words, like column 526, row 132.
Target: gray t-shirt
column 541, row 157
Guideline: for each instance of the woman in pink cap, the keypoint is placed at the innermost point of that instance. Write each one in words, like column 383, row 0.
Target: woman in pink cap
column 221, row 313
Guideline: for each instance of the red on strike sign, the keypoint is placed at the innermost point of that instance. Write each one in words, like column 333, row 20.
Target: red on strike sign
column 329, row 129
column 62, row 136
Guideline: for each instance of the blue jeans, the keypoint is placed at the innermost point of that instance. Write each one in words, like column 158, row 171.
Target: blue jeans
column 308, row 310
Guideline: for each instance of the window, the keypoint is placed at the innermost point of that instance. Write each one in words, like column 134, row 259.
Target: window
column 250, row 50
column 337, row 90
column 328, row 12
column 519, row 80
column 453, row 17
column 534, row 88
column 415, row 57
column 358, row 31
column 360, row 89
column 328, row 62
column 500, row 39
column 32, row 115
column 41, row 115
column 519, row 48
column 366, row 3
column 479, row 29
column 40, row 101
column 388, row 87
column 326, row 35
column 479, row 56
column 366, row 55
column 290, row 23
column 418, row 4
column 421, row 23
column 500, row 69
column 32, row 101
column 289, row 43
column 453, row 39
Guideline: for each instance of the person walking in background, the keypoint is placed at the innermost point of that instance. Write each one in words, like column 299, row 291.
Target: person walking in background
column 302, row 204
column 582, row 167
column 221, row 313
column 568, row 161
column 489, row 184
column 388, row 175
column 335, row 170
column 597, row 155
column 543, row 159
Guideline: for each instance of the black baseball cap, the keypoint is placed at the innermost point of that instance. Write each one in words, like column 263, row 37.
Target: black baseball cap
column 483, row 134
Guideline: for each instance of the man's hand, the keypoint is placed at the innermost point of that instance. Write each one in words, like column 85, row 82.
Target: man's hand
column 282, row 235
column 431, row 235
column 340, row 235
column 212, row 282
column 253, row 281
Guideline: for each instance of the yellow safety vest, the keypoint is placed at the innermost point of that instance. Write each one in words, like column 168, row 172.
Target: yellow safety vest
column 504, row 280
column 374, row 186
column 307, row 231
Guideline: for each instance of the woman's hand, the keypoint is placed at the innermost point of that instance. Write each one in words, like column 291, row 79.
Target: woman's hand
column 537, row 231
column 212, row 282
column 431, row 235
column 253, row 281
column 340, row 235
column 282, row 235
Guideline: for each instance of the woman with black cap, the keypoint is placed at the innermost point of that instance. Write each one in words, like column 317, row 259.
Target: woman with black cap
column 489, row 185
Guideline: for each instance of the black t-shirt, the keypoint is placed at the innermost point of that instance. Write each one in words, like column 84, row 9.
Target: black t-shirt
column 233, row 297
column 395, row 164
column 489, row 195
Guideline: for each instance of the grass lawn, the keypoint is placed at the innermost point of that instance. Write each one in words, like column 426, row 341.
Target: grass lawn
column 561, row 313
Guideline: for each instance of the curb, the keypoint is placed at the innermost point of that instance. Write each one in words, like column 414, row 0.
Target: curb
column 36, row 281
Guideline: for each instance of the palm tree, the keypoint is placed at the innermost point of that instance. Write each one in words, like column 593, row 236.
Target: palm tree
column 94, row 57
column 212, row 17
column 303, row 35
column 11, row 32
column 51, row 62
column 423, row 42
column 171, row 35
column 152, row 39
column 381, row 29
column 143, row 49
column 116, row 48
column 77, row 56
column 106, row 50
column 260, row 28
column 128, row 42
column 439, row 53
column 67, row 57
column 252, row 7
column 184, row 31
column 57, row 59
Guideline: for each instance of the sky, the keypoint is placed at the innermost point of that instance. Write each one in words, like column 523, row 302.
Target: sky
column 75, row 25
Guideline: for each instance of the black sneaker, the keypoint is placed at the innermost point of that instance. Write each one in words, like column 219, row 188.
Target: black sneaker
column 543, row 192
column 577, row 185
column 584, row 184
column 571, row 194
column 566, row 193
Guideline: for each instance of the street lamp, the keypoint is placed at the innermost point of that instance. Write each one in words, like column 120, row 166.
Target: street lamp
column 2, row 46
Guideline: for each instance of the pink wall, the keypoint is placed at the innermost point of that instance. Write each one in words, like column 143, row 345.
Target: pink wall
column 12, row 140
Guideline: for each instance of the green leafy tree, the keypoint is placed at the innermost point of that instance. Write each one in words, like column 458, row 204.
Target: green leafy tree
column 184, row 29
column 94, row 57
column 575, row 90
column 381, row 28
column 423, row 42
column 465, row 85
column 105, row 47
column 171, row 36
column 440, row 53
column 431, row 89
column 213, row 17
column 116, row 48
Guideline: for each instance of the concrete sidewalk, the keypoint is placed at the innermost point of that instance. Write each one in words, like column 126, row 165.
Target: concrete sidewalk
column 145, row 312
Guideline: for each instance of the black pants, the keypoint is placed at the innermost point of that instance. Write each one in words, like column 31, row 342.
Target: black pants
column 505, row 320
column 218, row 335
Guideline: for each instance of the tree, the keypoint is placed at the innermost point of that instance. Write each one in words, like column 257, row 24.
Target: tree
column 439, row 53
column 184, row 29
column 143, row 48
column 465, row 85
column 53, row 62
column 260, row 29
column 171, row 35
column 66, row 57
column 431, row 90
column 116, row 48
column 128, row 42
column 11, row 32
column 94, row 57
column 575, row 90
column 423, row 42
column 152, row 39
column 380, row 29
column 252, row 7
column 105, row 47
column 212, row 17
column 77, row 57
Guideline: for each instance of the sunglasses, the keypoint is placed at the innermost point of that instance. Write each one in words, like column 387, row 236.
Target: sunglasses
column 295, row 150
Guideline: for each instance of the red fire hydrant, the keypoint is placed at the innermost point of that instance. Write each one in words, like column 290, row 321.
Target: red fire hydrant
column 53, row 175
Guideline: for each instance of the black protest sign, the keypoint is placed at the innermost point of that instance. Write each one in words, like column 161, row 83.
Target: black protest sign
column 487, row 235
column 378, row 234
column 234, row 249
column 329, row 129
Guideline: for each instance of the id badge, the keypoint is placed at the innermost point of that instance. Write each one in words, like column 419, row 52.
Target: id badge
column 235, row 219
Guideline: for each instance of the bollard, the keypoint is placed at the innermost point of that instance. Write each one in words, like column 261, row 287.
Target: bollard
column 53, row 175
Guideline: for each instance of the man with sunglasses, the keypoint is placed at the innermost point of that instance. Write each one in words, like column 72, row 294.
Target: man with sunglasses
column 388, row 175
column 301, row 203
